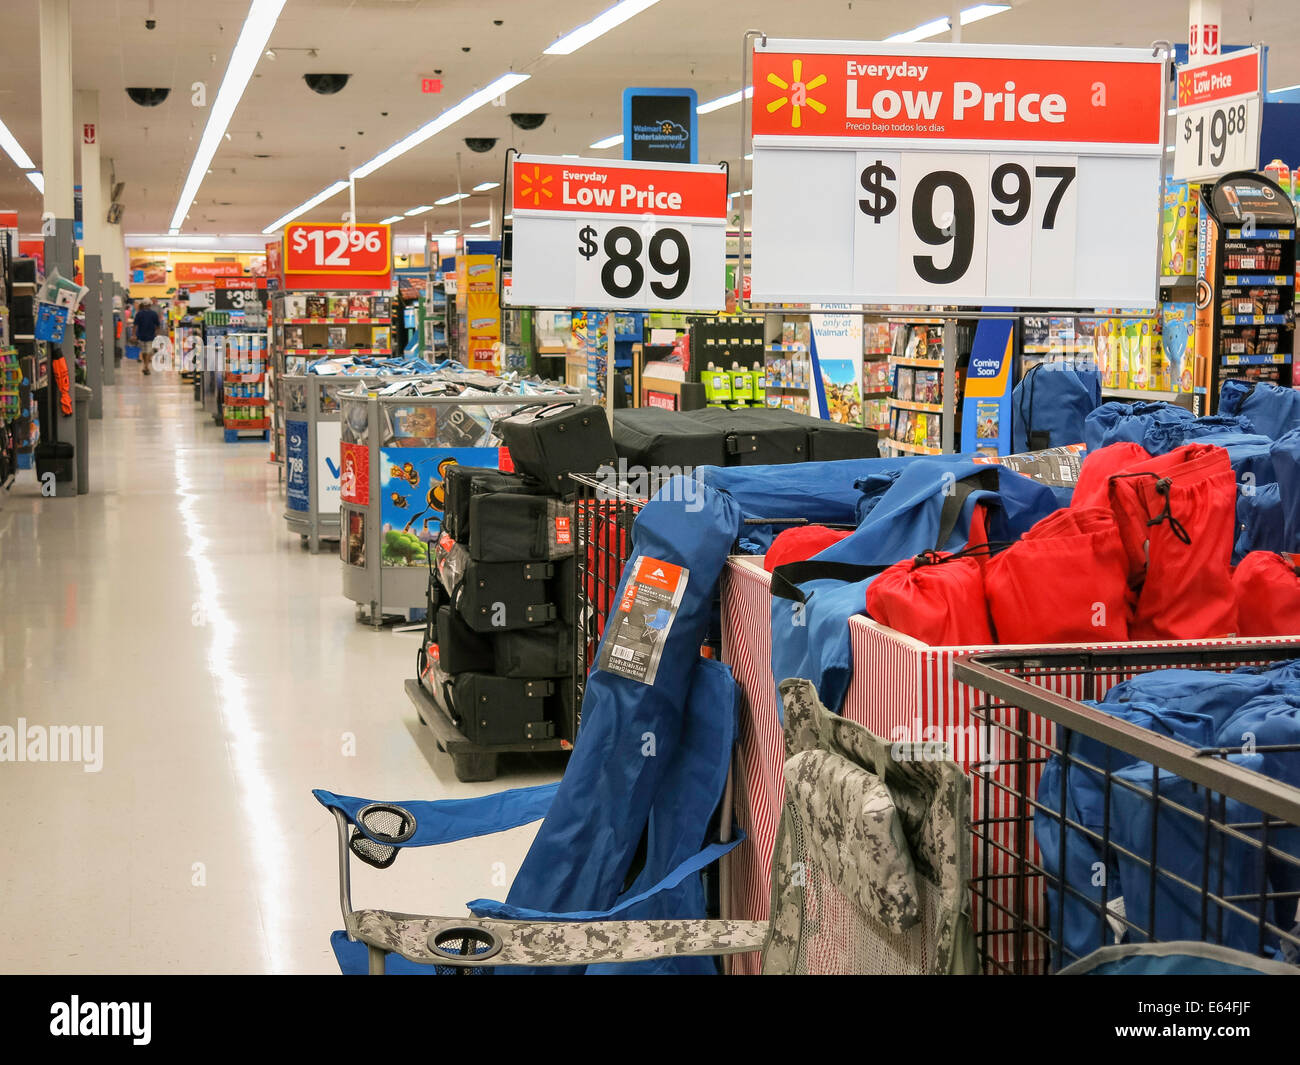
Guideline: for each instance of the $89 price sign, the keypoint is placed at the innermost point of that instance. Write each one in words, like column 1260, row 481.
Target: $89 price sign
column 643, row 265
column 965, row 227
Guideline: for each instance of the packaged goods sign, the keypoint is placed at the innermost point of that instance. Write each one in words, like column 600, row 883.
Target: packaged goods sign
column 955, row 174
column 607, row 234
column 1217, row 124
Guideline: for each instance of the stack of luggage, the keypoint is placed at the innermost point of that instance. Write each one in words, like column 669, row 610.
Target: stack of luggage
column 498, row 649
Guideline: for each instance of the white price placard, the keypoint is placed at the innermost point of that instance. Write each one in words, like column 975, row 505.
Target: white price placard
column 955, row 174
column 1217, row 124
column 610, row 234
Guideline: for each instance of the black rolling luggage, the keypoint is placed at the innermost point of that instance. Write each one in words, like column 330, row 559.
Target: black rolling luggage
column 649, row 437
column 462, row 483
column 754, row 438
column 529, row 653
column 497, row 596
column 827, row 440
column 550, row 442
column 502, row 710
column 507, row 527
column 459, row 648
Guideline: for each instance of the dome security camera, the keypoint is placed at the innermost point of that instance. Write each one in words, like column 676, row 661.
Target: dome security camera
column 151, row 23
column 326, row 84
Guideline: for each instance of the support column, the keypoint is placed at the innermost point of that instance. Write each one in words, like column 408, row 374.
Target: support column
column 91, row 278
column 108, row 325
column 57, row 167
column 92, row 188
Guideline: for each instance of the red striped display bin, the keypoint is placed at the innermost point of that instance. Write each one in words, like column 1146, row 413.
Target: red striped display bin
column 902, row 689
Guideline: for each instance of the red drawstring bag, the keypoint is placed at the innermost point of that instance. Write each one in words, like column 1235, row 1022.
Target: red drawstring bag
column 1100, row 466
column 936, row 597
column 1065, row 581
column 1267, row 584
column 801, row 543
column 1177, row 517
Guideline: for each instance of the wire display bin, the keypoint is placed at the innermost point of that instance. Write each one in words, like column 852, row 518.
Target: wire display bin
column 312, row 433
column 1165, row 812
column 392, row 455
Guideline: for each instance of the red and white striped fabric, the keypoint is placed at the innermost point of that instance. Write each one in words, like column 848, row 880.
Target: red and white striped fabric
column 902, row 689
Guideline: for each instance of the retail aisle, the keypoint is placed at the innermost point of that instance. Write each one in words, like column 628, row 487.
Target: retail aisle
column 171, row 608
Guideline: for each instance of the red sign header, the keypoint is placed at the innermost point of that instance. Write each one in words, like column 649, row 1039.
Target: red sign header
column 1236, row 74
column 587, row 186
column 957, row 95
column 190, row 272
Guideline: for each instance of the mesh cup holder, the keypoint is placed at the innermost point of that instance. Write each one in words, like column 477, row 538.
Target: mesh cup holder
column 377, row 827
column 464, row 947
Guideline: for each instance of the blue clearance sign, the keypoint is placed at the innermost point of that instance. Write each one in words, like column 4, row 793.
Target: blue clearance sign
column 659, row 125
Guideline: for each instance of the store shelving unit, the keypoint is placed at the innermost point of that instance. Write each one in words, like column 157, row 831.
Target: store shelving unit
column 244, row 411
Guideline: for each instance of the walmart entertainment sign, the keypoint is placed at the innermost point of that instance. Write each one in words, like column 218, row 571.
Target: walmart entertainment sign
column 659, row 125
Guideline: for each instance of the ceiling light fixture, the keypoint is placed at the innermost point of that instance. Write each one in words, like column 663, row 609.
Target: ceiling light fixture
column 306, row 206
column 258, row 24
column 449, row 117
column 599, row 26
column 487, row 186
column 982, row 11
column 480, row 225
column 14, row 150
column 390, row 219
column 608, row 142
column 451, row 199
column 709, row 106
column 942, row 25
column 37, row 179
column 450, row 232
column 418, row 210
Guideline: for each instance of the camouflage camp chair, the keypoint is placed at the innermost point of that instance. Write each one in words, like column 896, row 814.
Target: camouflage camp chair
column 376, row 832
column 872, row 856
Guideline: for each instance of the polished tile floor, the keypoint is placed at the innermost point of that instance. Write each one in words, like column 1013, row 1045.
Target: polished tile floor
column 171, row 608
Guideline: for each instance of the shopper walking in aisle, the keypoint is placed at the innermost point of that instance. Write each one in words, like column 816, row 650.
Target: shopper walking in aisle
column 146, row 330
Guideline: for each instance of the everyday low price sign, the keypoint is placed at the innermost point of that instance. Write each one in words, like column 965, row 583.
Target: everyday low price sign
column 328, row 255
column 1216, row 127
column 607, row 234
column 955, row 174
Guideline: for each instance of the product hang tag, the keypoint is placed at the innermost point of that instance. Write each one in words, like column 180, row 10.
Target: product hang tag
column 634, row 645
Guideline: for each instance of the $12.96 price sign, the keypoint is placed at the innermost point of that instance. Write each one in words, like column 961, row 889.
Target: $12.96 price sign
column 337, row 251
column 611, row 234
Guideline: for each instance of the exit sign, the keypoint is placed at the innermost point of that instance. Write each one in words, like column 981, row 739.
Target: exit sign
column 431, row 84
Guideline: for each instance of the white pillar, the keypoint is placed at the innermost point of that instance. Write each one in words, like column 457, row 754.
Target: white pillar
column 1204, row 28
column 92, row 189
column 56, row 107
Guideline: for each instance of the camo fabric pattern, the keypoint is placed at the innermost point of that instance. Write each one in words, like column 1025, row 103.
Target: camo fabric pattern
column 927, row 818
column 543, row 943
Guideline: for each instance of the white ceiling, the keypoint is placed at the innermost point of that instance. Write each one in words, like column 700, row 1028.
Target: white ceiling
column 288, row 143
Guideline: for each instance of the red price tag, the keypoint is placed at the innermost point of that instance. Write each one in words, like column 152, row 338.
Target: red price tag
column 316, row 248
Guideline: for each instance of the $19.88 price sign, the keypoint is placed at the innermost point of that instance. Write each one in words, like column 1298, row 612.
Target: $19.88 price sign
column 1216, row 128
column 609, row 234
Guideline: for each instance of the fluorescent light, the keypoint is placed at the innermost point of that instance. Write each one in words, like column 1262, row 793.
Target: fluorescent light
column 305, row 206
column 448, row 117
column 724, row 101
column 258, row 24
column 566, row 155
column 608, row 142
column 452, row 198
column 480, row 225
column 450, row 232
column 982, row 11
column 749, row 158
column 487, row 186
column 419, row 210
column 390, row 219
column 37, row 179
column 14, row 150
column 509, row 218
column 927, row 29
column 1284, row 88
column 599, row 26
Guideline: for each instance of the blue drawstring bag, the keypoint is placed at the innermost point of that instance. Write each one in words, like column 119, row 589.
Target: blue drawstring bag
column 1274, row 410
column 1051, row 404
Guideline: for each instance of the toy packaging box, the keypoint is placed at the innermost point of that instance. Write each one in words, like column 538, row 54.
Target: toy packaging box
column 1178, row 339
column 1178, row 229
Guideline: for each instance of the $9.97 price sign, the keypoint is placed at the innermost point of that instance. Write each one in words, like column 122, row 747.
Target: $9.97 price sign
column 955, row 174
column 611, row 234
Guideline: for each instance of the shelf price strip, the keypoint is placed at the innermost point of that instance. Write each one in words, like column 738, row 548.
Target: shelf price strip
column 610, row 234
column 955, row 174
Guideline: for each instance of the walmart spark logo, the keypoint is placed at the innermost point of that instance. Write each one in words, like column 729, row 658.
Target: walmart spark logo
column 534, row 185
column 798, row 91
column 1184, row 88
